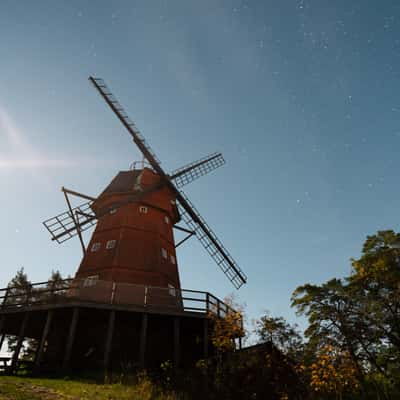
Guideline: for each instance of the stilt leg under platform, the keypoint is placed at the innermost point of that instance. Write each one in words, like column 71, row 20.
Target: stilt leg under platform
column 108, row 345
column 20, row 340
column 39, row 354
column 143, row 339
column 3, row 335
column 176, row 342
column 70, row 340
column 205, row 339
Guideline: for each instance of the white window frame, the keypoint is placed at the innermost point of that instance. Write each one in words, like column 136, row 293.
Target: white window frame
column 111, row 244
column 90, row 281
column 173, row 259
column 171, row 290
column 143, row 209
column 164, row 253
column 166, row 219
column 95, row 247
column 113, row 211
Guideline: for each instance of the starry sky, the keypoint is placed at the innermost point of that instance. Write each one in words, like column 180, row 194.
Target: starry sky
column 302, row 97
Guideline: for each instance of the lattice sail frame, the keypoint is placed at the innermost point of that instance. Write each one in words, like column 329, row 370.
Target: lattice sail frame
column 196, row 169
column 222, row 258
column 64, row 223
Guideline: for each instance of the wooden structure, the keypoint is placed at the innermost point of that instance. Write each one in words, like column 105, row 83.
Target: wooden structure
column 82, row 328
column 125, row 304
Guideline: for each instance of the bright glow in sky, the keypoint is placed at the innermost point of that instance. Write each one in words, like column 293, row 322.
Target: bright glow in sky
column 301, row 97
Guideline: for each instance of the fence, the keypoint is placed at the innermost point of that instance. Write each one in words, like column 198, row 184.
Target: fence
column 114, row 293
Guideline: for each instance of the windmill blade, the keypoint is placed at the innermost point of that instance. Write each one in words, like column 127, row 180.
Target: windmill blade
column 114, row 104
column 62, row 227
column 196, row 169
column 210, row 241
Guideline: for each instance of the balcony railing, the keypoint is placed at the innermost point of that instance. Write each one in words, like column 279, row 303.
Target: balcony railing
column 113, row 293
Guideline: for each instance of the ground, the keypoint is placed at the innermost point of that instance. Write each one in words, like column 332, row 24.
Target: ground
column 21, row 388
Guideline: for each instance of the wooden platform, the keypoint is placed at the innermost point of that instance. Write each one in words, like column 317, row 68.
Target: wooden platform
column 82, row 335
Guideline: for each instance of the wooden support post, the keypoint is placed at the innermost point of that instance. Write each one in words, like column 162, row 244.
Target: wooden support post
column 3, row 335
column 143, row 339
column 176, row 342
column 70, row 340
column 108, row 346
column 45, row 333
column 20, row 340
column 205, row 339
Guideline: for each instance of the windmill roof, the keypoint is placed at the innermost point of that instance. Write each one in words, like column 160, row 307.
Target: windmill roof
column 124, row 181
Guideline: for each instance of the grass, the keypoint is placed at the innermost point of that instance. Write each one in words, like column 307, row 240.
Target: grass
column 21, row 388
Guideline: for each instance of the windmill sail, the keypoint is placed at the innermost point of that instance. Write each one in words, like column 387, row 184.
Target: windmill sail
column 62, row 227
column 190, row 215
column 211, row 243
column 194, row 170
column 128, row 123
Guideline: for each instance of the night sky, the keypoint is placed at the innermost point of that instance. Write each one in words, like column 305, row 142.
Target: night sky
column 302, row 98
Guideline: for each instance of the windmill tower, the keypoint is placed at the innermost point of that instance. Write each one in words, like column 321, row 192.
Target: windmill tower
column 133, row 241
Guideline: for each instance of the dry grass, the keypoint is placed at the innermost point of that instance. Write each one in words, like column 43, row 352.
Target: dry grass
column 21, row 388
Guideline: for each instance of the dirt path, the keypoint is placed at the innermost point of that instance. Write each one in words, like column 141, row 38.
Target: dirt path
column 28, row 391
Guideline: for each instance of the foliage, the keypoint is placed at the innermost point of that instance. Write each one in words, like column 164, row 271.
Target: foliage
column 19, row 288
column 225, row 330
column 281, row 334
column 359, row 317
column 333, row 372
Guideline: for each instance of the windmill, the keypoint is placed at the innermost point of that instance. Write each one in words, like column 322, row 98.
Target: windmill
column 133, row 240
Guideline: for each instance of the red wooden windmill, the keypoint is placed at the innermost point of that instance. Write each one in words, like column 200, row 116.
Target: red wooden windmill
column 133, row 241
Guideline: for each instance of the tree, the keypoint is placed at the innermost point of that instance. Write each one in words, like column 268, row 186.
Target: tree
column 227, row 328
column 281, row 334
column 359, row 315
column 18, row 289
column 333, row 372
column 376, row 279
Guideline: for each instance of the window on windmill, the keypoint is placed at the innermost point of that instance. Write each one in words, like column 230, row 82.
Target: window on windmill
column 111, row 244
column 166, row 220
column 171, row 290
column 90, row 280
column 164, row 253
column 113, row 211
column 173, row 259
column 143, row 209
column 95, row 247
